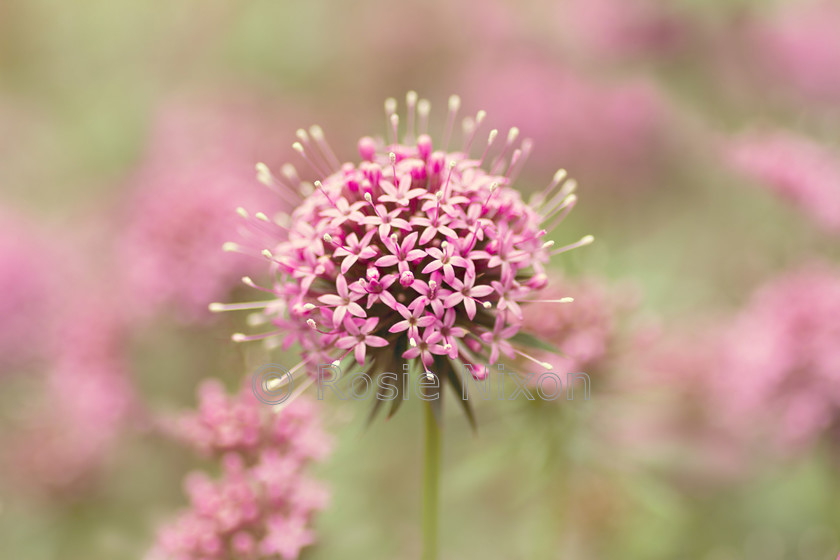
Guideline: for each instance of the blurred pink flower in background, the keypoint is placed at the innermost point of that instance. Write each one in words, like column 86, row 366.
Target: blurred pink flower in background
column 583, row 330
column 64, row 438
column 798, row 47
column 574, row 119
column 796, row 168
column 780, row 371
column 28, row 286
column 619, row 28
column 198, row 170
column 263, row 503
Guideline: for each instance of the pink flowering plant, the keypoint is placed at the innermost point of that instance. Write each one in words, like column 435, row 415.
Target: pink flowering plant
column 263, row 503
column 415, row 254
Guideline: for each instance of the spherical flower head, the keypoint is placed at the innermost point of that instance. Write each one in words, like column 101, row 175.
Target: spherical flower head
column 415, row 253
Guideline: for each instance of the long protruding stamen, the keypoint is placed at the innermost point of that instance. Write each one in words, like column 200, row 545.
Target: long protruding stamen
column 411, row 106
column 395, row 126
column 539, row 198
column 313, row 152
column 390, row 111
column 314, row 326
column 423, row 110
column 320, row 187
column 220, row 307
column 452, row 165
column 251, row 284
column 240, row 337
column 540, row 363
column 317, row 134
column 548, row 207
column 298, row 147
column 277, row 186
column 369, row 199
column 499, row 162
column 564, row 210
column 479, row 118
column 518, row 162
column 585, row 240
column 454, row 105
column 393, row 157
column 490, row 139
column 566, row 204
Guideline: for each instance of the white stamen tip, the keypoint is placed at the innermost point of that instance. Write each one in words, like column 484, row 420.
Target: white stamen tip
column 216, row 307
column 492, row 136
column 454, row 102
column 328, row 238
column 316, row 132
column 390, row 105
column 267, row 254
column 242, row 212
column 512, row 134
column 412, row 342
column 247, row 281
column 494, row 186
column 229, row 247
column 439, row 195
column 317, row 184
column 424, row 107
column 298, row 147
column 548, row 244
column 311, row 323
column 336, row 362
column 430, row 376
column 393, row 157
column 567, row 299
column 238, row 337
column 560, row 175
column 261, row 216
column 486, row 305
column 395, row 119
column 261, row 167
column 310, row 306
column 480, row 116
column 368, row 197
column 300, row 133
column 411, row 97
column 452, row 164
column 587, row 239
column 546, row 365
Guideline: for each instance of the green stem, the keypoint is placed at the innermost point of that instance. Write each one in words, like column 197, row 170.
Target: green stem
column 431, row 484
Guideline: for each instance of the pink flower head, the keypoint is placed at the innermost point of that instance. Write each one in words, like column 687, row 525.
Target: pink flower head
column 796, row 168
column 263, row 504
column 781, row 365
column 798, row 48
column 435, row 238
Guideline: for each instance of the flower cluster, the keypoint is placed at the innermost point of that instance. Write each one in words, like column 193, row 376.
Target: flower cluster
column 781, row 365
column 62, row 442
column 414, row 253
column 796, row 168
column 263, row 503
